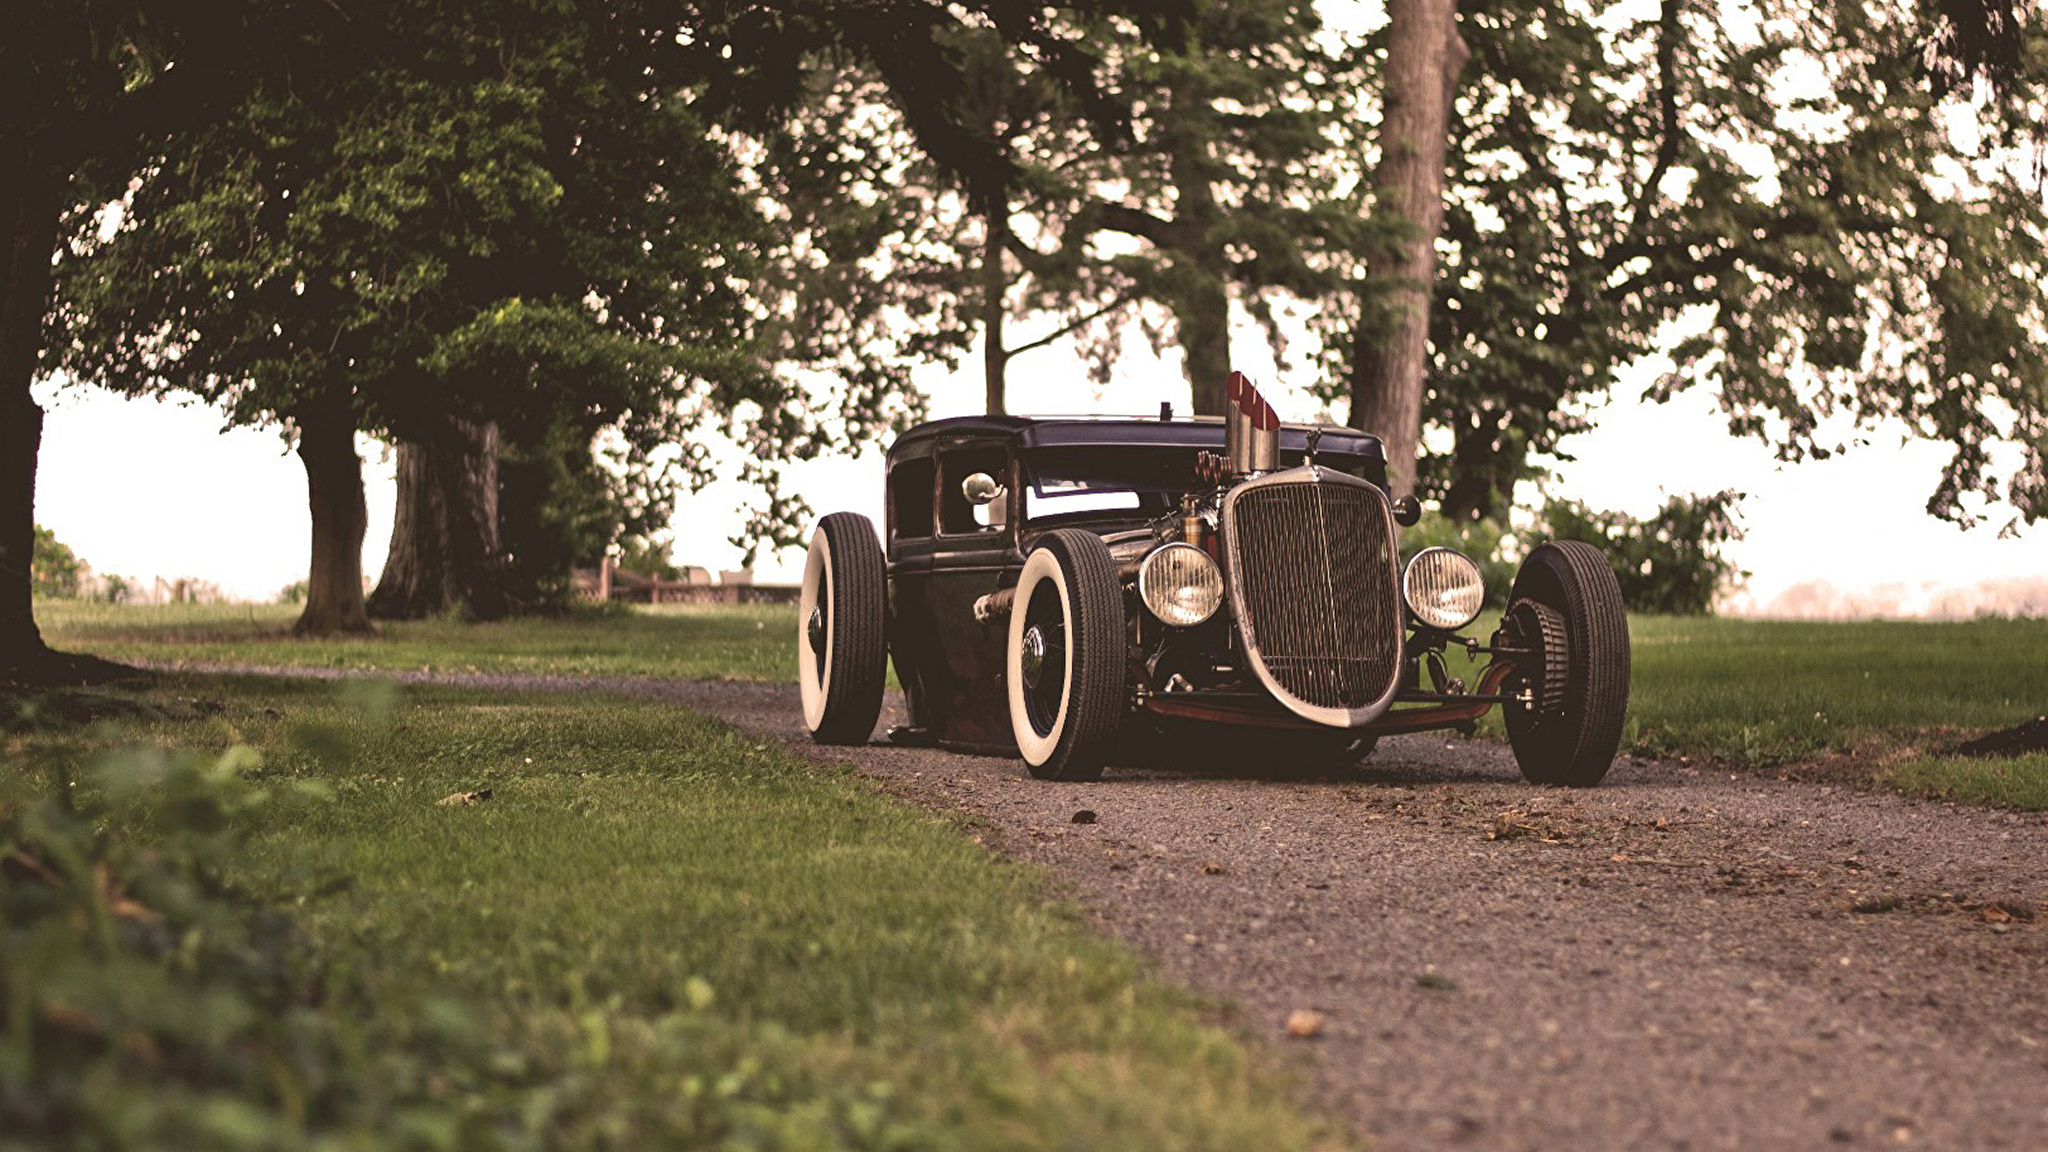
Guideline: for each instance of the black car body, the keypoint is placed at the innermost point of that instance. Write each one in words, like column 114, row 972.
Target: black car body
column 1312, row 628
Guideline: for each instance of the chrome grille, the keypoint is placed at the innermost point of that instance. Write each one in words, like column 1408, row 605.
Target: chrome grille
column 1316, row 596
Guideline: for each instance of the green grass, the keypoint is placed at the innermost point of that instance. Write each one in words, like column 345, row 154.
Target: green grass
column 2006, row 781
column 1762, row 692
column 680, row 641
column 658, row 932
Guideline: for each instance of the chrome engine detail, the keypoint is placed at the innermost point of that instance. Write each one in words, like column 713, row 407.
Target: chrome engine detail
column 1314, row 582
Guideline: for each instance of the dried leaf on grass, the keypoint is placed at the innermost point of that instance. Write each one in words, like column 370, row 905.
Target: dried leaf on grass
column 464, row 799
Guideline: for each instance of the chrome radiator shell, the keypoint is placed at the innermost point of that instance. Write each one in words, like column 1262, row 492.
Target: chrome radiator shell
column 1313, row 573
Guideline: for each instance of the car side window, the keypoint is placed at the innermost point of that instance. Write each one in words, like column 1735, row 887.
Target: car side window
column 959, row 516
column 910, row 499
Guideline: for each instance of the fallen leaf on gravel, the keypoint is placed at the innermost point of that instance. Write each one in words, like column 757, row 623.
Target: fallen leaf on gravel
column 1084, row 816
column 1435, row 980
column 1303, row 1024
column 1625, row 858
column 2004, row 912
column 1212, row 868
column 1509, row 825
column 463, row 799
column 1884, row 903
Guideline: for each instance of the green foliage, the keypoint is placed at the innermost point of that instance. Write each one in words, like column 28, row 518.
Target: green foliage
column 1831, row 235
column 1669, row 564
column 115, row 590
column 649, row 556
column 149, row 1004
column 293, row 593
column 54, row 570
column 657, row 933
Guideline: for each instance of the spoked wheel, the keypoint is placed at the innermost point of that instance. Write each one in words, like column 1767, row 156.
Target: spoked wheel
column 1064, row 662
column 841, row 653
column 1566, row 612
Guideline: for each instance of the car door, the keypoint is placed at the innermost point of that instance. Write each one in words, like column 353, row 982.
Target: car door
column 974, row 553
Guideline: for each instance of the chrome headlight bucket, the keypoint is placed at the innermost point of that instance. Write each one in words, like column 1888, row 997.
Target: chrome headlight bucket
column 1180, row 585
column 1443, row 588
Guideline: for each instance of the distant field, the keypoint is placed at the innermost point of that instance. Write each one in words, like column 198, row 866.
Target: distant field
column 678, row 641
column 1749, row 693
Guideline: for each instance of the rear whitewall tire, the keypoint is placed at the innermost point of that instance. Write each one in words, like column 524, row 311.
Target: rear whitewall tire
column 840, row 671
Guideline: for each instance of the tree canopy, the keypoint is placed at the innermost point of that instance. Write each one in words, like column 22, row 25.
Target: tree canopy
column 1824, row 233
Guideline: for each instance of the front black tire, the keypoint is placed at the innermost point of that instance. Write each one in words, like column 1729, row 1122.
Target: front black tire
column 842, row 653
column 1064, row 661
column 1566, row 609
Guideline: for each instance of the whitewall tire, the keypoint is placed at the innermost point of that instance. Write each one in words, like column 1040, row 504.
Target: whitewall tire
column 842, row 656
column 1064, row 659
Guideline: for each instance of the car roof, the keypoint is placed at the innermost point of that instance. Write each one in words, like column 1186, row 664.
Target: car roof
column 1191, row 434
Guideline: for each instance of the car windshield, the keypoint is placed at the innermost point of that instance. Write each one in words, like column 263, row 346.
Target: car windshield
column 1095, row 481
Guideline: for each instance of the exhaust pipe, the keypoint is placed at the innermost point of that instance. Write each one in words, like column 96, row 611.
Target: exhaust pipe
column 1257, row 427
column 1234, row 424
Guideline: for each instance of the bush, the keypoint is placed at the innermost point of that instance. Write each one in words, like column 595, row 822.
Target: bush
column 54, row 570
column 116, row 590
column 292, row 593
column 1671, row 563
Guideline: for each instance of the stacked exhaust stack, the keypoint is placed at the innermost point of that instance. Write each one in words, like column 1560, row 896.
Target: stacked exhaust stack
column 1233, row 421
column 1251, row 429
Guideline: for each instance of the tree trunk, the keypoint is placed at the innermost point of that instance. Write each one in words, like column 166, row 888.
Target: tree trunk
column 418, row 579
column 1390, row 353
column 995, row 359
column 446, row 552
column 1201, row 315
column 29, row 213
column 334, row 492
column 1201, row 302
column 467, row 475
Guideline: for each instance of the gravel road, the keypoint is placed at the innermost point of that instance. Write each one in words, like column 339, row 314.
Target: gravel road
column 1679, row 959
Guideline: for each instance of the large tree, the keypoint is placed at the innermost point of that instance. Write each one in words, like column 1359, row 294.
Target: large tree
column 83, row 85
column 494, row 230
column 1828, row 229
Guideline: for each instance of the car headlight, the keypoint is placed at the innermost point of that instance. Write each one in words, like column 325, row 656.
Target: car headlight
column 1443, row 588
column 1180, row 584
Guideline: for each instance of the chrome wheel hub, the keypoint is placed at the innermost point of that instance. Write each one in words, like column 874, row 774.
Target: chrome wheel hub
column 1032, row 655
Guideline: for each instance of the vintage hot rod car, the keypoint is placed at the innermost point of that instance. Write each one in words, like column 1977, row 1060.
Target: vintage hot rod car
column 1053, row 586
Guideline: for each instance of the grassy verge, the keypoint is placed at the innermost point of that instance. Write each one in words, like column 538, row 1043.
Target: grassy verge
column 2007, row 781
column 678, row 641
column 655, row 932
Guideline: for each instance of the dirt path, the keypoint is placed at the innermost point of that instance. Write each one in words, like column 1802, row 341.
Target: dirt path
column 1680, row 959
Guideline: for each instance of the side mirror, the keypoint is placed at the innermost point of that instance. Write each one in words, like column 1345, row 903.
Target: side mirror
column 981, row 488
